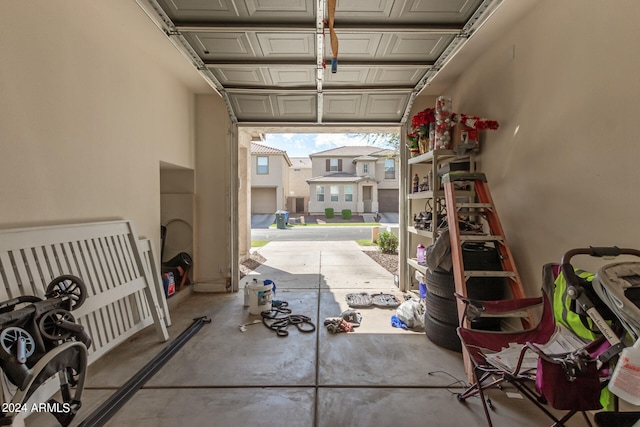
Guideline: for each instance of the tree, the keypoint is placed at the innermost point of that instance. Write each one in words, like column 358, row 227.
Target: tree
column 384, row 140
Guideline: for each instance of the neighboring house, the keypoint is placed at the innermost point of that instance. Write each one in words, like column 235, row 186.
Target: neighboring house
column 299, row 172
column 361, row 178
column 269, row 179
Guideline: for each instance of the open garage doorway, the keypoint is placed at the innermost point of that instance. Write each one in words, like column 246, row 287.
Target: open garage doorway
column 302, row 172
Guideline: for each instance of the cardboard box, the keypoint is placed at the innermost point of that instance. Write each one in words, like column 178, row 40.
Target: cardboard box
column 169, row 283
column 464, row 138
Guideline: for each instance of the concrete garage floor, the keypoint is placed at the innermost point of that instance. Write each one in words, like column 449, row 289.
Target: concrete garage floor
column 375, row 376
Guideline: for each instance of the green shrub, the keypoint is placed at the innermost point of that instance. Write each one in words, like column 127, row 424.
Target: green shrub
column 388, row 242
column 346, row 213
column 328, row 212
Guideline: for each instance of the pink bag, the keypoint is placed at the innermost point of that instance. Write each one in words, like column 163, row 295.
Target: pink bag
column 569, row 383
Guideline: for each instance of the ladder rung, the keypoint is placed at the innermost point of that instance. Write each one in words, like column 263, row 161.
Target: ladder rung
column 480, row 238
column 463, row 176
column 471, row 212
column 488, row 273
column 474, row 205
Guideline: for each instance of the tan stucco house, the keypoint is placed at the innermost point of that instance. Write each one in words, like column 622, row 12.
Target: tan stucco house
column 269, row 179
column 299, row 172
column 363, row 179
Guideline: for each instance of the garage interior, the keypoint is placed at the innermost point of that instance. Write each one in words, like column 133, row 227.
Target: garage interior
column 105, row 101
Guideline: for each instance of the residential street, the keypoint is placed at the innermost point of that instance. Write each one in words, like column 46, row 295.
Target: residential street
column 260, row 230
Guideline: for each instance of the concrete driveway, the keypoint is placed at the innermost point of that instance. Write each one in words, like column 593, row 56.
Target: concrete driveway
column 389, row 218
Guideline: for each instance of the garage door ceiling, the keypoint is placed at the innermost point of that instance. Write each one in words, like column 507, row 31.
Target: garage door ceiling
column 270, row 60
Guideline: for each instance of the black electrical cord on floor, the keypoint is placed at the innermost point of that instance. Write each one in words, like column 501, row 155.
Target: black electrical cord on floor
column 104, row 413
column 456, row 383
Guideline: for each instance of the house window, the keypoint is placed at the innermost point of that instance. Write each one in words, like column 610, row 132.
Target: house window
column 263, row 166
column 334, row 165
column 390, row 169
column 334, row 193
column 320, row 193
column 365, row 168
column 348, row 193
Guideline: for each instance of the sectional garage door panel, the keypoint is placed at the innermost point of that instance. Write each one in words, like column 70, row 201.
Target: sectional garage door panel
column 239, row 10
column 388, row 201
column 263, row 200
column 274, row 107
column 364, row 108
column 271, row 60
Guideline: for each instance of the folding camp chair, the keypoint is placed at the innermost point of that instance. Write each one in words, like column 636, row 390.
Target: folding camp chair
column 555, row 375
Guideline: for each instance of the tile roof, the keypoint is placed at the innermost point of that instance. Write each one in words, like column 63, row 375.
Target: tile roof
column 263, row 149
column 354, row 151
column 363, row 158
column 386, row 152
column 300, row 162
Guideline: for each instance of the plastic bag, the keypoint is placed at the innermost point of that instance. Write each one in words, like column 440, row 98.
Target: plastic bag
column 411, row 313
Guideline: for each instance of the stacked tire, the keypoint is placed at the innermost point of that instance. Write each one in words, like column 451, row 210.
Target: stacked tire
column 441, row 316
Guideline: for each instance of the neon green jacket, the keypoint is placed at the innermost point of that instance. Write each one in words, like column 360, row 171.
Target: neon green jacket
column 562, row 309
column 576, row 323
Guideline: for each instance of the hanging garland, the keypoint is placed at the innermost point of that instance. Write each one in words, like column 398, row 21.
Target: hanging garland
column 475, row 122
column 422, row 121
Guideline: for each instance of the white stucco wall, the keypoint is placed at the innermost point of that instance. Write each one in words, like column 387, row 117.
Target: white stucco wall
column 562, row 168
column 94, row 98
column 371, row 168
column 380, row 175
column 214, row 187
column 356, row 205
column 298, row 186
column 319, row 165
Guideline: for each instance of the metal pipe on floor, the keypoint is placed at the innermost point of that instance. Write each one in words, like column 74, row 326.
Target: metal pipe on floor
column 101, row 415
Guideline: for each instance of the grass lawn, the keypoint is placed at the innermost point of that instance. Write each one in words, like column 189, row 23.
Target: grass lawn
column 258, row 243
column 366, row 242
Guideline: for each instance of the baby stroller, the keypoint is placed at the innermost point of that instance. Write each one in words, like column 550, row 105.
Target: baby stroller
column 39, row 338
column 569, row 381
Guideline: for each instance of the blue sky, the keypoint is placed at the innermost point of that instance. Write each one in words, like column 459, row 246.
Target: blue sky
column 301, row 145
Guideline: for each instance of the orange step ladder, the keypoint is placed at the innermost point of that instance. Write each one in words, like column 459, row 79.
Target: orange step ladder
column 484, row 207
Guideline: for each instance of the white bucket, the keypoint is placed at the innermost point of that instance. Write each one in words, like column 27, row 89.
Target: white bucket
column 625, row 381
column 246, row 282
column 260, row 297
